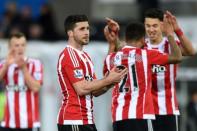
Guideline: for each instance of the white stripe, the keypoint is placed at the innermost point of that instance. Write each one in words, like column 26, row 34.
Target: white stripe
column 11, row 74
column 11, row 96
column 22, row 101
column 77, row 127
column 89, row 109
column 161, row 93
column 108, row 62
column 84, row 61
column 149, row 116
column 150, row 126
column 37, row 65
column 119, row 109
column 177, row 123
column 73, row 122
column 91, row 64
column 172, row 87
column 23, row 109
column 145, row 64
column 11, row 109
column 62, row 78
column 73, row 57
column 72, row 127
column 134, row 93
column 36, row 124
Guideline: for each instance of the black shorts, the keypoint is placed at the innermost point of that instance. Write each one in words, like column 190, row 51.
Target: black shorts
column 18, row 129
column 90, row 127
column 132, row 125
column 165, row 123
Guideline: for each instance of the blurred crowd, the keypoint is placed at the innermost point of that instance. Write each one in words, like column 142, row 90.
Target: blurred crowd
column 40, row 28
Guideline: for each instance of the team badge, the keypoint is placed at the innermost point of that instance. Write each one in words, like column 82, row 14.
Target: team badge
column 78, row 73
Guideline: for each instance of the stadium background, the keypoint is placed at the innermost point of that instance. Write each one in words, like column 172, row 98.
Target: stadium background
column 47, row 48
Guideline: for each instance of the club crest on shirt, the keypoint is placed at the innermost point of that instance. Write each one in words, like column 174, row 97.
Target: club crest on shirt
column 78, row 73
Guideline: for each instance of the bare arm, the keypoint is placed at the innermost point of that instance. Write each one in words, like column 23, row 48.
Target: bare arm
column 8, row 61
column 33, row 84
column 111, row 34
column 175, row 55
column 186, row 46
column 3, row 71
column 86, row 87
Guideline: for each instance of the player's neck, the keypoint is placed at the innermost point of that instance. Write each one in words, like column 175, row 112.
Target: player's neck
column 75, row 45
column 137, row 44
column 156, row 41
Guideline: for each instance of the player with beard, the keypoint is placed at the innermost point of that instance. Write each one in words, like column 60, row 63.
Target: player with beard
column 78, row 80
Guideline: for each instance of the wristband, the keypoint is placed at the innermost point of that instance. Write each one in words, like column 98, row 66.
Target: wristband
column 179, row 32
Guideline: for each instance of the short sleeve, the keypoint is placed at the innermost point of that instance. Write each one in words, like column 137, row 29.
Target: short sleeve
column 73, row 73
column 38, row 72
column 156, row 57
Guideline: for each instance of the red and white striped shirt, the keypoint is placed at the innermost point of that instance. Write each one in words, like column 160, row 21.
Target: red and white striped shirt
column 74, row 66
column 131, row 98
column 163, row 80
column 22, row 105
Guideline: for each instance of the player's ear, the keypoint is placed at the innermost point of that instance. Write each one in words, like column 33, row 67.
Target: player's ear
column 70, row 33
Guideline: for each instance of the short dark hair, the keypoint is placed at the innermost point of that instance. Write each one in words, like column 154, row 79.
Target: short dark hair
column 71, row 20
column 16, row 35
column 135, row 31
column 154, row 13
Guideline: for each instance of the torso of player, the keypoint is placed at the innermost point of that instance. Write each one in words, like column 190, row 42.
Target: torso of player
column 73, row 66
column 22, row 106
column 131, row 98
column 163, row 81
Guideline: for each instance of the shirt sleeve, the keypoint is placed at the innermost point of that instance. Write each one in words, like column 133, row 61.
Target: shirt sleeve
column 38, row 72
column 74, row 74
column 107, row 64
column 157, row 57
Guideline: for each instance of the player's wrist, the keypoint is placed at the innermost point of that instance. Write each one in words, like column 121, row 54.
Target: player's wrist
column 178, row 32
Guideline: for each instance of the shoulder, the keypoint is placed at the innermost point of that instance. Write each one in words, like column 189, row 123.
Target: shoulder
column 33, row 60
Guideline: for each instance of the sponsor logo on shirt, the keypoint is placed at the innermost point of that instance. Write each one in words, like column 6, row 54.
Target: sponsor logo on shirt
column 158, row 69
column 16, row 88
column 78, row 73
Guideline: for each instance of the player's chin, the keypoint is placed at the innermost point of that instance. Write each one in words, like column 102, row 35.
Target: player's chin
column 85, row 42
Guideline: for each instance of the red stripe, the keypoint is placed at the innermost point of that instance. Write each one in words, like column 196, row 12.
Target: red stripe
column 155, row 93
column 84, row 110
column 61, row 115
column 17, row 109
column 36, row 107
column 7, row 113
column 29, row 105
column 29, row 109
column 168, row 94
column 175, row 98
column 115, row 95
column 63, row 88
column 127, row 96
column 141, row 85
column 16, row 100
